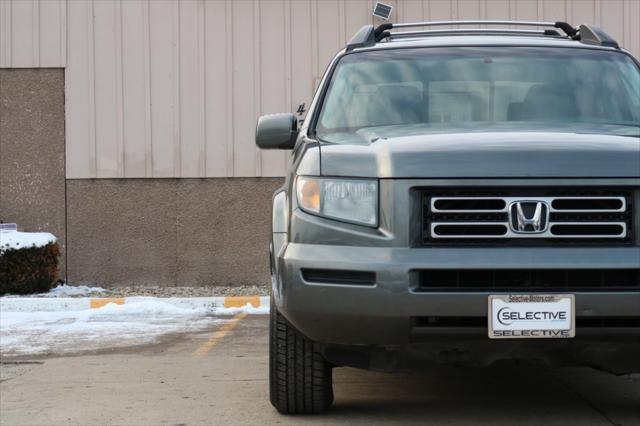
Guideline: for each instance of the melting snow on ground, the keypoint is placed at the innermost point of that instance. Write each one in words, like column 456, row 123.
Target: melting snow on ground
column 113, row 326
column 65, row 290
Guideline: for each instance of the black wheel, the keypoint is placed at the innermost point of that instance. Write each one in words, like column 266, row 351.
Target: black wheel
column 300, row 380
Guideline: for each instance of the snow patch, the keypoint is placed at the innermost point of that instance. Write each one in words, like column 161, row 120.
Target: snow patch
column 65, row 290
column 38, row 326
column 113, row 326
column 14, row 240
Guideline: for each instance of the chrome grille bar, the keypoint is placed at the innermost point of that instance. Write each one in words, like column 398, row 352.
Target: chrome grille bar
column 549, row 200
column 493, row 217
column 508, row 233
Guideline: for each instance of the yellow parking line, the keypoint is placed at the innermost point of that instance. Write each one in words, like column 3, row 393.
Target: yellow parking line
column 99, row 303
column 241, row 301
column 219, row 335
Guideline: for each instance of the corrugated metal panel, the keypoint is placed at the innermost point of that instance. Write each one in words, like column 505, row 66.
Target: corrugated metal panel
column 80, row 92
column 173, row 88
column 32, row 33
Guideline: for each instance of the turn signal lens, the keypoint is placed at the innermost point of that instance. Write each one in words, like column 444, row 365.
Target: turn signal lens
column 309, row 194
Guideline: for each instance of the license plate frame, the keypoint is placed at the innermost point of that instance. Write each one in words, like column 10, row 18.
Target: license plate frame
column 531, row 316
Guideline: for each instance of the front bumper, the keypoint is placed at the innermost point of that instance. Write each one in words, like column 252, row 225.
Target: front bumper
column 384, row 314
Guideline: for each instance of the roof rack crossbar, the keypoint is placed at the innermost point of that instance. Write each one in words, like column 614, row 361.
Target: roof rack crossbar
column 403, row 34
column 381, row 32
column 368, row 35
column 474, row 22
column 564, row 26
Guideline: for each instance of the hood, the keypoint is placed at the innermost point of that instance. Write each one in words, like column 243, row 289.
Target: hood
column 485, row 155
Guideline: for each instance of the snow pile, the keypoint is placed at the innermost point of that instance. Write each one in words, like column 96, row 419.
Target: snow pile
column 10, row 239
column 113, row 326
column 65, row 290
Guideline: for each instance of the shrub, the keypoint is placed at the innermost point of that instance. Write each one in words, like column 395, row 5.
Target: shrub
column 29, row 270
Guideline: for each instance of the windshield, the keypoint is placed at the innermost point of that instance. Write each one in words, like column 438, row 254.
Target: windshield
column 479, row 88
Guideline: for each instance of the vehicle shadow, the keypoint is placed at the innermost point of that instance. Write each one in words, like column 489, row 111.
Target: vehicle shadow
column 497, row 395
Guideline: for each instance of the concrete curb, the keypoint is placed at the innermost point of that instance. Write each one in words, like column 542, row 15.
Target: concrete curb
column 219, row 305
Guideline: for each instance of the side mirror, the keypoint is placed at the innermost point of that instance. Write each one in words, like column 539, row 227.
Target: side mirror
column 277, row 131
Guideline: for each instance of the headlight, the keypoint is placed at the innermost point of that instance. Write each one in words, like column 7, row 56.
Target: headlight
column 350, row 200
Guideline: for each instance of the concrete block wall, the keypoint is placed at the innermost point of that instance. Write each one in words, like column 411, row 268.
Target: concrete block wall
column 32, row 169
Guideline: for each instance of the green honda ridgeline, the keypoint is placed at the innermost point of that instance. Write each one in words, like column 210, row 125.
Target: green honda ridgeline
column 461, row 197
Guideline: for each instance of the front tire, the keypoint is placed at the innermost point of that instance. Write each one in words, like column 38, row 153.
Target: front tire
column 300, row 379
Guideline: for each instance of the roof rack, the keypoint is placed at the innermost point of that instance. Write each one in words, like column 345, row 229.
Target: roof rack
column 594, row 35
column 484, row 31
column 368, row 35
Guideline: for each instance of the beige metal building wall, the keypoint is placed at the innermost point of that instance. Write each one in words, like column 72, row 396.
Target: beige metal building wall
column 33, row 34
column 173, row 88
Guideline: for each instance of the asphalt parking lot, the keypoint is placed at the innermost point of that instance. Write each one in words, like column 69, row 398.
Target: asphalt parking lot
column 220, row 377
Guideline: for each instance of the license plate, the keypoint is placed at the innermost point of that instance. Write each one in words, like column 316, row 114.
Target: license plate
column 529, row 316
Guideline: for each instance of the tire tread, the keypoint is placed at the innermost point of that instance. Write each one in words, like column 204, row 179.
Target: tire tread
column 300, row 379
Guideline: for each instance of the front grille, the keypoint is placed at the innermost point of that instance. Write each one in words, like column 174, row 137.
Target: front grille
column 529, row 280
column 533, row 215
